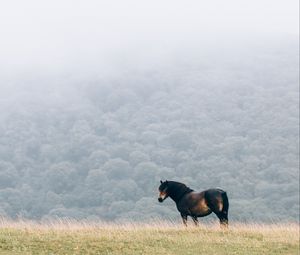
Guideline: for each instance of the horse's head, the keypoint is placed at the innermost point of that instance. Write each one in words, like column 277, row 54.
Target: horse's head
column 163, row 191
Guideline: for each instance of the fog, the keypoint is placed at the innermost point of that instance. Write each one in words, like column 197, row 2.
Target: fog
column 100, row 100
column 85, row 36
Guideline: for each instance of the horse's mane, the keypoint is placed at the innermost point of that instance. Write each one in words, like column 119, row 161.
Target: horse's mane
column 177, row 190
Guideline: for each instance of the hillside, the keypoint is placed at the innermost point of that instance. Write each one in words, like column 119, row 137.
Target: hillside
column 96, row 147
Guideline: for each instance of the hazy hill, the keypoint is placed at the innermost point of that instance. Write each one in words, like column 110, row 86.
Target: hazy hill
column 96, row 146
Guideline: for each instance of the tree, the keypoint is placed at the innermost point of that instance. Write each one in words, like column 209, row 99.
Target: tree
column 8, row 175
column 117, row 169
column 61, row 177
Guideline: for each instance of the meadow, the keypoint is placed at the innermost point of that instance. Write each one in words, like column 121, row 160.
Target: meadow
column 160, row 237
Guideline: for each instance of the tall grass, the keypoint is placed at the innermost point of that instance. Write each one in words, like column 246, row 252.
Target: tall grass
column 67, row 236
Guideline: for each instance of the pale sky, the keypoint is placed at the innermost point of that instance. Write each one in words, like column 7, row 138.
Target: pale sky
column 57, row 34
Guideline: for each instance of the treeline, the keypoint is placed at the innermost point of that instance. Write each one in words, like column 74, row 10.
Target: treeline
column 98, row 148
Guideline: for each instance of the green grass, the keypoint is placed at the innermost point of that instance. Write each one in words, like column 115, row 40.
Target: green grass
column 163, row 238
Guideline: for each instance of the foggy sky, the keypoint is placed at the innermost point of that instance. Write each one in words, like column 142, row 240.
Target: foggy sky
column 86, row 36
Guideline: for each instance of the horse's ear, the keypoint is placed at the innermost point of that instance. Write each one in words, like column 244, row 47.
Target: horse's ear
column 161, row 181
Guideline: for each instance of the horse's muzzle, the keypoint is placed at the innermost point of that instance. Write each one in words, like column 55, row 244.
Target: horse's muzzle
column 160, row 199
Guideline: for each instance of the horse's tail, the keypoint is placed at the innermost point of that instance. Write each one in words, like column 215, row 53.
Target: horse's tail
column 225, row 203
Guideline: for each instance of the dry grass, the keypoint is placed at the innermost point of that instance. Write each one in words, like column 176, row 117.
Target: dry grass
column 85, row 237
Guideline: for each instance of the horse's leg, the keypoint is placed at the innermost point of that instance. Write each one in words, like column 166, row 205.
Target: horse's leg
column 223, row 219
column 184, row 219
column 224, row 222
column 195, row 220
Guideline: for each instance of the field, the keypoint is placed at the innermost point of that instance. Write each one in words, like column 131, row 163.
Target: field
column 81, row 237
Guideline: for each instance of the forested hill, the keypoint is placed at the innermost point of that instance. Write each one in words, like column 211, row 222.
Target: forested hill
column 97, row 147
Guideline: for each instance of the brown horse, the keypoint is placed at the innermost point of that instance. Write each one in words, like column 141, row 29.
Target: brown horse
column 195, row 204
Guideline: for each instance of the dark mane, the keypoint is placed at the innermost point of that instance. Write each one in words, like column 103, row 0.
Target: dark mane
column 177, row 190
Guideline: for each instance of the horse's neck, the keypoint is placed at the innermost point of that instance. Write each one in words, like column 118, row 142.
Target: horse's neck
column 178, row 191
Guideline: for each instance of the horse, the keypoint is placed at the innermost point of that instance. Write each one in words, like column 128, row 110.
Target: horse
column 196, row 204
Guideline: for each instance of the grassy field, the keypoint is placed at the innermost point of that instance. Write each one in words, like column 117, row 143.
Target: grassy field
column 71, row 237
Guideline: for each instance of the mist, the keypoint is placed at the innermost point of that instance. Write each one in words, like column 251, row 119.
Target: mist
column 100, row 100
column 100, row 37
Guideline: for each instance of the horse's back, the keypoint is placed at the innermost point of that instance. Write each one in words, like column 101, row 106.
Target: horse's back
column 214, row 192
